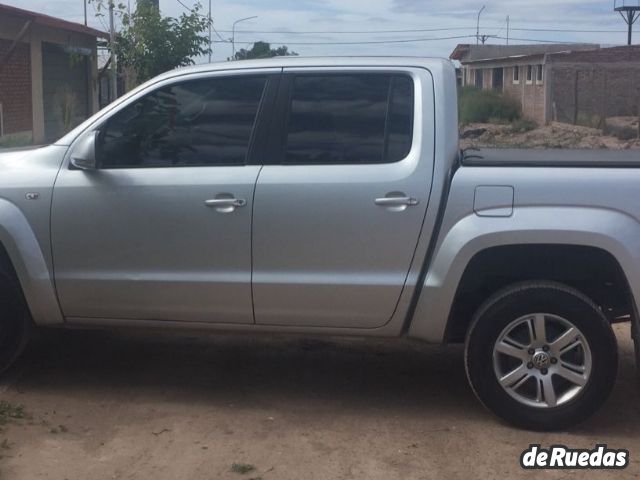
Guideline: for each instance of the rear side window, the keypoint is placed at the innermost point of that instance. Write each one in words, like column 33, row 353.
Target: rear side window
column 194, row 123
column 349, row 119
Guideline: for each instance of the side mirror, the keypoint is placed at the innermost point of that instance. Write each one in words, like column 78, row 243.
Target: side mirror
column 83, row 155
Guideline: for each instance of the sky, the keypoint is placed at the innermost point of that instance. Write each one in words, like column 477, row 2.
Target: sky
column 339, row 27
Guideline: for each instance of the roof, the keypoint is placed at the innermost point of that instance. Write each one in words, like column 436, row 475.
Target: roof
column 311, row 61
column 466, row 53
column 623, row 54
column 53, row 22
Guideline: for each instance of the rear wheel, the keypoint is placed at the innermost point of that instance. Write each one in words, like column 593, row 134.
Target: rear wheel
column 15, row 324
column 541, row 355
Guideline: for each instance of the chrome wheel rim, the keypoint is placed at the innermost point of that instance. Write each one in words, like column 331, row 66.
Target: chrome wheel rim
column 542, row 360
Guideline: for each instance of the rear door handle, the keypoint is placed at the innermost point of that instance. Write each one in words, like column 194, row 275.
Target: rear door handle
column 225, row 202
column 396, row 201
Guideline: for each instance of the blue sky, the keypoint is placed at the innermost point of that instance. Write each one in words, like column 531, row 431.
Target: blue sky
column 456, row 18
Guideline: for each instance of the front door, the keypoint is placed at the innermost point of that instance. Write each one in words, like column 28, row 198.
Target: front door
column 337, row 219
column 162, row 230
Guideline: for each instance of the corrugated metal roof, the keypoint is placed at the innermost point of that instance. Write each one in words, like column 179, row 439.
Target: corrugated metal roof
column 474, row 53
column 53, row 22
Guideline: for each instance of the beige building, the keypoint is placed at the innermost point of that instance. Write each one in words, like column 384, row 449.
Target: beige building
column 48, row 74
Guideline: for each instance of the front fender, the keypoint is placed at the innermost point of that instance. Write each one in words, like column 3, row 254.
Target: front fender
column 611, row 230
column 25, row 252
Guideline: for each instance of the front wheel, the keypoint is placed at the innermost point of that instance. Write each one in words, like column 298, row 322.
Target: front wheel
column 15, row 324
column 541, row 355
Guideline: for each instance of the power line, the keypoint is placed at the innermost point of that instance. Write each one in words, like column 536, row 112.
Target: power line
column 218, row 35
column 188, row 8
column 315, row 32
column 561, row 30
column 369, row 42
column 417, row 30
column 540, row 41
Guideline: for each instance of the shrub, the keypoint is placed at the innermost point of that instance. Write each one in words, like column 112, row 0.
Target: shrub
column 483, row 106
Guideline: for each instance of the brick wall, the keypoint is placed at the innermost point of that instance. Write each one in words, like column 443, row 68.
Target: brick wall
column 15, row 88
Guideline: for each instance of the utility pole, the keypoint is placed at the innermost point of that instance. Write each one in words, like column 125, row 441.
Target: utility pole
column 113, row 68
column 508, row 29
column 210, row 24
column 85, row 12
column 233, row 35
column 630, row 13
column 478, row 25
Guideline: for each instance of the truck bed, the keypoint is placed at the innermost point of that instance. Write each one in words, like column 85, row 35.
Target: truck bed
column 512, row 157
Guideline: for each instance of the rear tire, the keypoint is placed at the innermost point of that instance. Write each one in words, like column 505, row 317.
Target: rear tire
column 541, row 355
column 15, row 325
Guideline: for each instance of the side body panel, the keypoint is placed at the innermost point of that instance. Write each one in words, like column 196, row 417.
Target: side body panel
column 439, row 125
column 573, row 206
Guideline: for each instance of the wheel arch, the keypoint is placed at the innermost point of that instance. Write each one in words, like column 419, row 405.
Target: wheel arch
column 22, row 262
column 591, row 270
column 614, row 235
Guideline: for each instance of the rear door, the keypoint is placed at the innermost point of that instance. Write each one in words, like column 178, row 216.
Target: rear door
column 338, row 213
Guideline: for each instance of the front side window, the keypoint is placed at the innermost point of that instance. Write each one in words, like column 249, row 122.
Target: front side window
column 516, row 74
column 193, row 123
column 349, row 119
column 539, row 74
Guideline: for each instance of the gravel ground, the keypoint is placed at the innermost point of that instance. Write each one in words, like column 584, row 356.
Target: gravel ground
column 114, row 405
column 554, row 135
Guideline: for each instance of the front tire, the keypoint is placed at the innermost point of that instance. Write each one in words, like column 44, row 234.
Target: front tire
column 15, row 324
column 541, row 355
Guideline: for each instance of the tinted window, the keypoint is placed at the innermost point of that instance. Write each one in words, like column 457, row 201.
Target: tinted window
column 349, row 119
column 199, row 122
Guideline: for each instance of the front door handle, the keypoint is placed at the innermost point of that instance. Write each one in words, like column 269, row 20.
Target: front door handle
column 396, row 201
column 225, row 202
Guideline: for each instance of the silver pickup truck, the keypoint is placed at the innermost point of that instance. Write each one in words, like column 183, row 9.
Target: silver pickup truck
column 329, row 196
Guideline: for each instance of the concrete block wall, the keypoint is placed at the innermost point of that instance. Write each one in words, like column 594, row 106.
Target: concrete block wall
column 588, row 94
column 587, row 87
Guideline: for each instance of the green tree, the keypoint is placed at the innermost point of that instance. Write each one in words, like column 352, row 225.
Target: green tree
column 263, row 50
column 151, row 44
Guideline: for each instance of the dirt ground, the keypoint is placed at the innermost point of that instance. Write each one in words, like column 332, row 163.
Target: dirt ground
column 107, row 405
column 555, row 135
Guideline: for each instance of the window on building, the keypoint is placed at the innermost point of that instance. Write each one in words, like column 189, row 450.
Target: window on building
column 479, row 78
column 539, row 74
column 516, row 74
column 194, row 123
column 350, row 119
column 529, row 73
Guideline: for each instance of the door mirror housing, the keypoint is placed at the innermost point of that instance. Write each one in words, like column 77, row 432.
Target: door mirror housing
column 83, row 155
